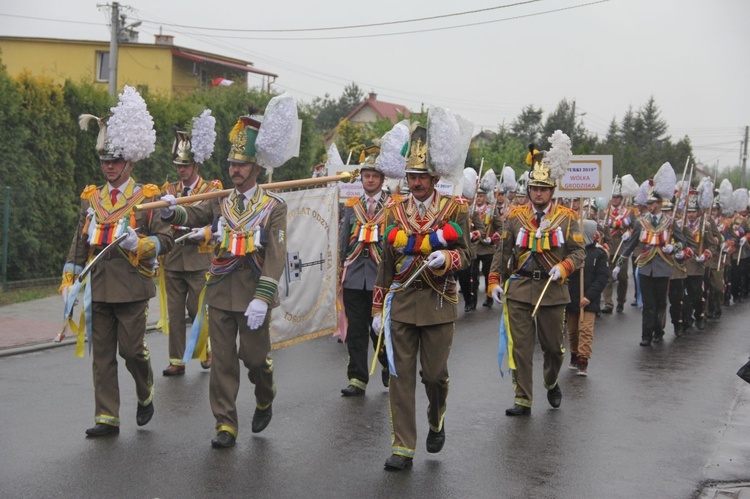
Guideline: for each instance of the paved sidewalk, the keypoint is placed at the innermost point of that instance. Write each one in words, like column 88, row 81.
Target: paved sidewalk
column 32, row 325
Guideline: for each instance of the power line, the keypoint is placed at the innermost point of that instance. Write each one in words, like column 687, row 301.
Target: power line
column 52, row 20
column 354, row 26
column 427, row 30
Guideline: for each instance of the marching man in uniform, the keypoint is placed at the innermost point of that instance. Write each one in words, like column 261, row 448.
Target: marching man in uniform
column 119, row 286
column 361, row 250
column 543, row 245
column 249, row 259
column 427, row 242
column 185, row 267
column 616, row 231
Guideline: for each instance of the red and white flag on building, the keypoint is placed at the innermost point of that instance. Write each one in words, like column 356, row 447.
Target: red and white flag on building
column 221, row 82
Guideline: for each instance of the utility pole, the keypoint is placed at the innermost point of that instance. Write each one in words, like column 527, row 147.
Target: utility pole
column 744, row 158
column 573, row 130
column 113, row 47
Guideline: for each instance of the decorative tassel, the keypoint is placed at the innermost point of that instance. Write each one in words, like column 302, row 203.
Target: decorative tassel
column 132, row 219
column 449, row 233
column 401, row 240
column 457, row 228
column 425, row 247
column 409, row 248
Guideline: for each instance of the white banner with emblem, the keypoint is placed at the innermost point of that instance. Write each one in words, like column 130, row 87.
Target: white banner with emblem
column 307, row 288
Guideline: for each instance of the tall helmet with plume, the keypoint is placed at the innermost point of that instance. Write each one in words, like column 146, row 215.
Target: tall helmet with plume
column 489, row 182
column 548, row 167
column 725, row 197
column 131, row 127
column 469, row 188
column 508, row 179
column 393, row 146
column 628, row 186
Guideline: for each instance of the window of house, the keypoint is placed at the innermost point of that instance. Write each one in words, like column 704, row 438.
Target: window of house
column 102, row 66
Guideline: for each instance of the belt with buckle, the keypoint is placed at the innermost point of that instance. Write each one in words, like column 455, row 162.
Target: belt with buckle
column 536, row 275
column 417, row 284
column 366, row 252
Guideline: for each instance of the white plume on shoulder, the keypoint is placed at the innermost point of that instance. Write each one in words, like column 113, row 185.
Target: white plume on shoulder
column 391, row 160
column 739, row 199
column 131, row 127
column 333, row 158
column 642, row 195
column 469, row 189
column 725, row 196
column 489, row 181
column 559, row 155
column 705, row 193
column 508, row 182
column 279, row 135
column 203, row 136
column 664, row 181
column 448, row 139
column 629, row 186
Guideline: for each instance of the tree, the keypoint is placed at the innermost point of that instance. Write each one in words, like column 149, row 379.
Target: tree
column 527, row 127
column 328, row 111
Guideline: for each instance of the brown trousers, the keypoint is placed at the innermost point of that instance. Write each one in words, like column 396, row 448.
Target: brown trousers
column 225, row 369
column 433, row 345
column 123, row 326
column 183, row 289
column 548, row 327
column 581, row 333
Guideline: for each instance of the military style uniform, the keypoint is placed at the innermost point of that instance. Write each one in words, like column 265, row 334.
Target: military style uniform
column 696, row 270
column 618, row 222
column 121, row 285
column 468, row 279
column 185, row 272
column 530, row 246
column 654, row 267
column 484, row 250
column 248, row 262
column 421, row 318
column 360, row 250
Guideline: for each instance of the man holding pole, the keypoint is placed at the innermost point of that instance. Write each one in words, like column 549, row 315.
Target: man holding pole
column 415, row 297
column 249, row 259
column 117, row 290
column 543, row 245
column 617, row 225
column 184, row 268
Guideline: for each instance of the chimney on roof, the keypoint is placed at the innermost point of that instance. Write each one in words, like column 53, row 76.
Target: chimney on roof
column 164, row 39
column 372, row 96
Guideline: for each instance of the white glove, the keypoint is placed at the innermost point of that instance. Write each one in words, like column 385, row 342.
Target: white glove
column 197, row 234
column 700, row 258
column 668, row 249
column 497, row 294
column 625, row 236
column 220, row 228
column 487, row 240
column 436, row 260
column 377, row 323
column 256, row 313
column 555, row 273
column 680, row 255
column 130, row 243
column 169, row 210
column 615, row 272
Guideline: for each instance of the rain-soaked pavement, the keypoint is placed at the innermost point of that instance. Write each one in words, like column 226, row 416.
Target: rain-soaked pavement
column 657, row 422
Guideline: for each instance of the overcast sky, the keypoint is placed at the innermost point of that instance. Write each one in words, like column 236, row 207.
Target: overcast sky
column 693, row 56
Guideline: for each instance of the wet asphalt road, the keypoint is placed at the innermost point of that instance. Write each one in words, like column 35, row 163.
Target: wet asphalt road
column 647, row 422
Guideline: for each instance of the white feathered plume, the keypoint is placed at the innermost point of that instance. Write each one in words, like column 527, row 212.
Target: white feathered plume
column 469, row 188
column 739, row 200
column 83, row 122
column 279, row 135
column 391, row 160
column 508, row 182
column 664, row 181
column 448, row 139
column 705, row 193
column 203, row 136
column 629, row 187
column 725, row 197
column 489, row 181
column 559, row 155
column 131, row 127
column 682, row 191
column 333, row 158
column 642, row 195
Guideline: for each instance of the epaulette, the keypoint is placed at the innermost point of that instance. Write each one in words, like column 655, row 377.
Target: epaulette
column 274, row 195
column 564, row 209
column 460, row 200
column 88, row 191
column 519, row 208
column 351, row 202
column 164, row 187
column 395, row 199
column 216, row 184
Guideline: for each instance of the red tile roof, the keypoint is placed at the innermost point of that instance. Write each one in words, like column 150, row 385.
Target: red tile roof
column 384, row 110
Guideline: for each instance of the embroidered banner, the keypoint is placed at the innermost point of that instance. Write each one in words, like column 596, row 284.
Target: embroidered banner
column 308, row 287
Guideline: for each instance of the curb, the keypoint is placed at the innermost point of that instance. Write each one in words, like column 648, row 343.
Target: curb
column 38, row 347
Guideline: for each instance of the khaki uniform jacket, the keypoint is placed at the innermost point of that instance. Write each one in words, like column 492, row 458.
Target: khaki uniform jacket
column 433, row 297
column 692, row 239
column 616, row 226
column 360, row 258
column 485, row 221
column 651, row 259
column 189, row 255
column 571, row 254
column 233, row 291
column 115, row 279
